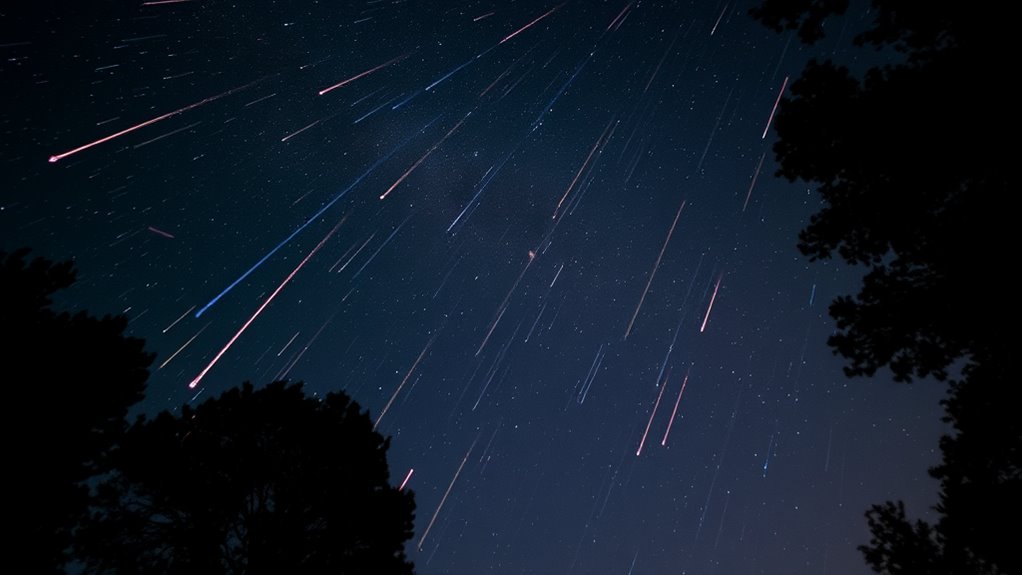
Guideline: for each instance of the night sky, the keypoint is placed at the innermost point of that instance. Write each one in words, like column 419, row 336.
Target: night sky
column 517, row 230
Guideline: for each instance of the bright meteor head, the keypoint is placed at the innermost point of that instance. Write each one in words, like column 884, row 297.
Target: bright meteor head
column 53, row 159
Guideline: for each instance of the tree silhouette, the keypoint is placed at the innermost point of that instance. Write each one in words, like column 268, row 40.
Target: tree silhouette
column 255, row 481
column 70, row 380
column 913, row 187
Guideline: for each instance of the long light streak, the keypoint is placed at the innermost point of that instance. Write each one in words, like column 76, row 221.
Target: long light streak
column 774, row 109
column 529, row 25
column 364, row 74
column 709, row 308
column 446, row 493
column 266, row 303
column 674, row 412
column 411, row 370
column 663, row 386
column 653, row 272
column 57, row 157
column 424, row 156
column 308, row 221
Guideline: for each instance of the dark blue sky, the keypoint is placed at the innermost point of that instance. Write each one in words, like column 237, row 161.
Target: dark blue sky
column 484, row 302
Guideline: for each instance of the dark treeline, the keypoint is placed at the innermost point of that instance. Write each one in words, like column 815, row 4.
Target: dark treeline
column 913, row 184
column 254, row 481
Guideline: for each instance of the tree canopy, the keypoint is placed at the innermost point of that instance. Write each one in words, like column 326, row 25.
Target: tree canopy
column 255, row 481
column 913, row 184
column 70, row 381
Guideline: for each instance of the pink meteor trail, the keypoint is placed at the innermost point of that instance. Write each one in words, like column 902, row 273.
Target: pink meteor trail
column 755, row 176
column 266, row 303
column 655, row 266
column 529, row 25
column 57, row 157
column 670, row 422
column 446, row 493
column 663, row 386
column 363, row 74
column 709, row 308
column 424, row 156
column 404, row 381
column 774, row 110
column 160, row 232
column 407, row 477
column 503, row 304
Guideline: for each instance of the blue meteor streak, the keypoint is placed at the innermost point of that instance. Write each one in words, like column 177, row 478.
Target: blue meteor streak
column 310, row 219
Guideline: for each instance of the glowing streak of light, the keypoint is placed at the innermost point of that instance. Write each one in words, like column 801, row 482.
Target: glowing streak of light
column 293, row 134
column 57, row 157
column 160, row 232
column 755, row 176
column 620, row 14
column 364, row 74
column 557, row 275
column 487, row 15
column 670, row 422
column 355, row 255
column 578, row 174
column 774, row 109
column 407, row 477
column 550, row 105
column 308, row 221
column 719, row 18
column 380, row 249
column 655, row 266
column 503, row 304
column 182, row 348
column 294, row 362
column 175, row 322
column 262, row 307
column 446, row 493
column 529, row 25
column 709, row 308
column 411, row 370
column 661, row 62
column 649, row 423
column 457, row 69
column 159, row 2
column 289, row 342
column 424, row 156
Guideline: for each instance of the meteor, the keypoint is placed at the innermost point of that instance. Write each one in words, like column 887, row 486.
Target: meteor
column 774, row 110
column 264, row 305
column 529, row 25
column 363, row 74
column 58, row 157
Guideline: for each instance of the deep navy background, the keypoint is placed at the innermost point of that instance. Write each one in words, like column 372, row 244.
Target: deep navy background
column 631, row 107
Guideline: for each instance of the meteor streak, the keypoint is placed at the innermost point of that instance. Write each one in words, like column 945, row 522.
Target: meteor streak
column 57, row 157
column 266, row 303
column 446, row 493
column 363, row 74
column 529, row 25
column 160, row 232
column 774, row 110
column 411, row 370
column 424, row 156
column 308, row 221
column 407, row 477
column 755, row 176
column 655, row 266
column 670, row 422
column 182, row 348
column 663, row 386
column 709, row 308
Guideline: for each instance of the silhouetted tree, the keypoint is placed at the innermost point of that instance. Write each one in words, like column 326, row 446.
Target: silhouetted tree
column 913, row 186
column 255, row 481
column 69, row 381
